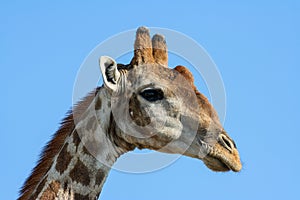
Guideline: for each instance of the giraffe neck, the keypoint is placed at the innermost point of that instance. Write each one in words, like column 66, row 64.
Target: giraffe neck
column 80, row 168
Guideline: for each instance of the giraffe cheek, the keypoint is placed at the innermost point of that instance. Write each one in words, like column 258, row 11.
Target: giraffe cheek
column 136, row 113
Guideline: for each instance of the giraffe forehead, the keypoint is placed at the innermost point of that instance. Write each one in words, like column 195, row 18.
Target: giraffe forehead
column 171, row 81
column 154, row 74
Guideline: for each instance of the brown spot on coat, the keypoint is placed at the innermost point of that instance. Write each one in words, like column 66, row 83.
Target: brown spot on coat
column 65, row 186
column 63, row 160
column 80, row 173
column 51, row 192
column 81, row 197
column 99, row 177
column 98, row 104
column 76, row 139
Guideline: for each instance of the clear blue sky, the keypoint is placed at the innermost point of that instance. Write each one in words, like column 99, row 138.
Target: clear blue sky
column 255, row 45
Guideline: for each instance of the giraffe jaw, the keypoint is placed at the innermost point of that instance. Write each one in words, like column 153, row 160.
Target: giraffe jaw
column 221, row 160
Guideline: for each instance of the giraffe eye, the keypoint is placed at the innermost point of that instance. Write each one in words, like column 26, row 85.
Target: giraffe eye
column 152, row 94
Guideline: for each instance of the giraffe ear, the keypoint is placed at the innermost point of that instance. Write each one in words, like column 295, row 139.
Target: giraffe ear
column 110, row 73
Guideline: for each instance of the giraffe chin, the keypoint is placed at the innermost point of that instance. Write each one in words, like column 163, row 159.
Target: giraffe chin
column 215, row 164
column 221, row 160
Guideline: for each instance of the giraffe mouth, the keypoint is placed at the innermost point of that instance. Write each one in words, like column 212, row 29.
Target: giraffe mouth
column 215, row 164
column 221, row 160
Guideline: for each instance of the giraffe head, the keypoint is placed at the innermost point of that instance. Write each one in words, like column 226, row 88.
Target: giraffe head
column 159, row 108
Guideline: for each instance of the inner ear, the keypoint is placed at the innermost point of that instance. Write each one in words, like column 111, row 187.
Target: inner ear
column 110, row 73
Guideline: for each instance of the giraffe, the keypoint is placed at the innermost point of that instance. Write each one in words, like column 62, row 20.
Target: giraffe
column 143, row 104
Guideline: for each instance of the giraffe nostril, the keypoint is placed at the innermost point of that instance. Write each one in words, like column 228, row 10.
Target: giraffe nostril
column 227, row 143
column 234, row 144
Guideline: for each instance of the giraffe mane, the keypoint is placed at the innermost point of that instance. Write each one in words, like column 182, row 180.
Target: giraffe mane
column 52, row 148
